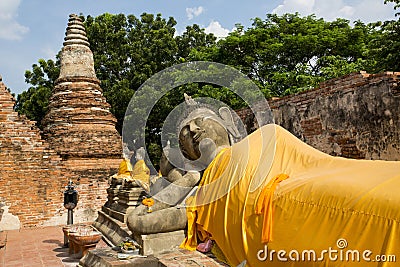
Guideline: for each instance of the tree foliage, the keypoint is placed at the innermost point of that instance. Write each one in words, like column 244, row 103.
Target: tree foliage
column 127, row 51
column 396, row 5
column 384, row 47
column 33, row 102
column 194, row 40
column 286, row 54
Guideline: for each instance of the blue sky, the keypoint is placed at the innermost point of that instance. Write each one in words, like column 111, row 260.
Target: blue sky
column 34, row 29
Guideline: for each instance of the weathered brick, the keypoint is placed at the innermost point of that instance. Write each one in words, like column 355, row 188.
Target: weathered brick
column 334, row 116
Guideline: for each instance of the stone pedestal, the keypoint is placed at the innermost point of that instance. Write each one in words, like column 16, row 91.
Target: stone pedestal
column 129, row 198
column 113, row 230
column 112, row 196
column 111, row 220
column 121, row 199
column 124, row 199
column 154, row 244
column 109, row 258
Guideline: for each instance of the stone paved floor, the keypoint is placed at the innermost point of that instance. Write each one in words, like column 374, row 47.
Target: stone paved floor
column 183, row 258
column 43, row 247
column 36, row 248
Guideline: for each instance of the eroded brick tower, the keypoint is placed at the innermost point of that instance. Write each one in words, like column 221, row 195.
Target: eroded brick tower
column 79, row 125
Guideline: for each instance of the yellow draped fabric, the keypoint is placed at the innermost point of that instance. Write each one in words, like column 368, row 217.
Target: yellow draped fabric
column 264, row 206
column 124, row 169
column 141, row 172
column 327, row 204
column 195, row 231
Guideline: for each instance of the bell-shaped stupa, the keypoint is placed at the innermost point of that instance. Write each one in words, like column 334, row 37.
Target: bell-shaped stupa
column 79, row 123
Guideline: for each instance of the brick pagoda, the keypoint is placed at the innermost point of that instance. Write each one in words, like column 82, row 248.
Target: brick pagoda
column 79, row 125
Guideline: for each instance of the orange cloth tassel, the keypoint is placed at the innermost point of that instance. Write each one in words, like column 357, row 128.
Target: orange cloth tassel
column 264, row 205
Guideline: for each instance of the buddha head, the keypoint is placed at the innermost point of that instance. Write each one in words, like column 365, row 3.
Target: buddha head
column 203, row 132
column 198, row 130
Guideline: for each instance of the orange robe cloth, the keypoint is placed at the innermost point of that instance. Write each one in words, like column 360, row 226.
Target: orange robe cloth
column 325, row 200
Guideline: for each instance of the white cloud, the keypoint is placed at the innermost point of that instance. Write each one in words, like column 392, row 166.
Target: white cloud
column 216, row 28
column 192, row 12
column 373, row 10
column 10, row 29
column 49, row 52
column 347, row 11
column 365, row 10
column 292, row 6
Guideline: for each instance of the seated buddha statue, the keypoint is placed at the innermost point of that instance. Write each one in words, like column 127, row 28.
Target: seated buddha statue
column 125, row 168
column 140, row 173
column 136, row 176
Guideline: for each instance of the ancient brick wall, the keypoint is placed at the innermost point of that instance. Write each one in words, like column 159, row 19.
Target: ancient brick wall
column 355, row 116
column 30, row 184
column 33, row 176
column 91, row 176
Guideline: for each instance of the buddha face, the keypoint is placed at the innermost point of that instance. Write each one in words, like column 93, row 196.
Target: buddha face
column 197, row 130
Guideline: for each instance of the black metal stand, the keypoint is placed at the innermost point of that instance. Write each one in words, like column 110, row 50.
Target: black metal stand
column 70, row 219
column 65, row 241
column 70, row 201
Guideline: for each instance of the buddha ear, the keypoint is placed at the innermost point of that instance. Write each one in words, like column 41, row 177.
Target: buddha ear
column 226, row 116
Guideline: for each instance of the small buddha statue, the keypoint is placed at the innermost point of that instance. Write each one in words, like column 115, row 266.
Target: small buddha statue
column 139, row 175
column 125, row 168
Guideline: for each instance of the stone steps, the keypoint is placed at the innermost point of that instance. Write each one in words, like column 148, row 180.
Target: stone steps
column 113, row 230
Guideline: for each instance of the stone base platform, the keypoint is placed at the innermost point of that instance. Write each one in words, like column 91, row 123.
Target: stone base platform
column 154, row 244
column 109, row 258
column 114, row 232
column 176, row 258
column 184, row 258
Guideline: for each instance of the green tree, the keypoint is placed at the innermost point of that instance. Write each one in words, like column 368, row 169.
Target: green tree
column 127, row 51
column 33, row 102
column 281, row 54
column 195, row 44
column 385, row 46
column 288, row 53
column 396, row 5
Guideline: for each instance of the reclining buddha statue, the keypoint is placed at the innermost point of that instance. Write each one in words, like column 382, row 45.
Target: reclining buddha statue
column 271, row 199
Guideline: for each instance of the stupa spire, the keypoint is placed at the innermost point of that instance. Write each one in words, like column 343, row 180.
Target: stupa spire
column 76, row 32
column 76, row 56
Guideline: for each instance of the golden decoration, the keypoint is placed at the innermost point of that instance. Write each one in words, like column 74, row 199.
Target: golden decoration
column 148, row 202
